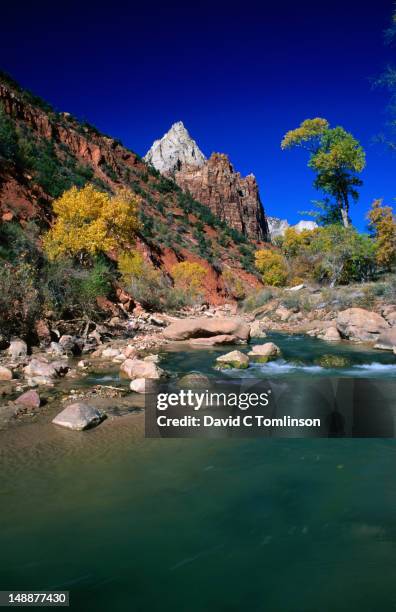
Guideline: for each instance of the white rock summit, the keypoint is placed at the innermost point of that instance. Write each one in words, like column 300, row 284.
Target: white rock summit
column 277, row 227
column 174, row 150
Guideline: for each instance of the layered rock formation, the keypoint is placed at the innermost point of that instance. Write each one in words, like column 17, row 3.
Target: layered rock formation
column 213, row 182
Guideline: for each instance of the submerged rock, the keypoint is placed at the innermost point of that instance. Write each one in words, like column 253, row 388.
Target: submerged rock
column 194, row 380
column 234, row 359
column 79, row 416
column 333, row 361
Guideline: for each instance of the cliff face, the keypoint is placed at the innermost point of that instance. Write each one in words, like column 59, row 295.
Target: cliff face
column 212, row 182
column 231, row 197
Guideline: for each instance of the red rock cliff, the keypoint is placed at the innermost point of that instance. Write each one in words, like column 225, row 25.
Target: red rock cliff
column 231, row 197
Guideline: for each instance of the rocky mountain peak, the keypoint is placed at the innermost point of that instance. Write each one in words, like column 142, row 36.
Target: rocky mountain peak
column 175, row 150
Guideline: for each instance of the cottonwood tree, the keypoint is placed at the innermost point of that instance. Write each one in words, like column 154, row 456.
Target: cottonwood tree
column 335, row 156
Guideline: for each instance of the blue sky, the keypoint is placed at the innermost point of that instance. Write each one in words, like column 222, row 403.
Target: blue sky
column 238, row 74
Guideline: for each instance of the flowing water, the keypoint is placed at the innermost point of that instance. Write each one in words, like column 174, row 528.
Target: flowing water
column 127, row 523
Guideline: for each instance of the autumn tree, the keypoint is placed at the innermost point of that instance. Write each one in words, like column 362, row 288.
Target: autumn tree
column 383, row 228
column 89, row 222
column 189, row 276
column 272, row 266
column 335, row 156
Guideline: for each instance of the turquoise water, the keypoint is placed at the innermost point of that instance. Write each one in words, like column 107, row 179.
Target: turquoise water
column 125, row 523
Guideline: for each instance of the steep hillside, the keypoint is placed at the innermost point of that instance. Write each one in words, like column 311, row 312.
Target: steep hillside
column 51, row 151
column 214, row 182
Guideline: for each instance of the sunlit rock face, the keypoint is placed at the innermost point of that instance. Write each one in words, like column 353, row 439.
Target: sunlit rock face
column 175, row 150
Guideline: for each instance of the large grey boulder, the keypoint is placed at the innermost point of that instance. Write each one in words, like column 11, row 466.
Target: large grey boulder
column 387, row 340
column 137, row 368
column 17, row 349
column 184, row 329
column 79, row 416
column 360, row 325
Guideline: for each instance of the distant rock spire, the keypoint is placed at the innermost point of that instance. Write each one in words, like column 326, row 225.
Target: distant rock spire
column 175, row 150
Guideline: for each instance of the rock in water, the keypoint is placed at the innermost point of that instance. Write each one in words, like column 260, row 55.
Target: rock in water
column 137, row 368
column 235, row 359
column 79, row 416
column 265, row 352
column 194, row 380
column 175, row 149
column 360, row 325
column 184, row 329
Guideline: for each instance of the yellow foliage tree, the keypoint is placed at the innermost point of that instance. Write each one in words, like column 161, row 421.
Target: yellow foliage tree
column 189, row 276
column 90, row 221
column 131, row 264
column 383, row 227
column 272, row 266
column 294, row 242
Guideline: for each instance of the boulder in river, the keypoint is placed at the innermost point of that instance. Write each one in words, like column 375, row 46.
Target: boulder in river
column 79, row 416
column 265, row 352
column 137, row 368
column 360, row 325
column 184, row 329
column 234, row 359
